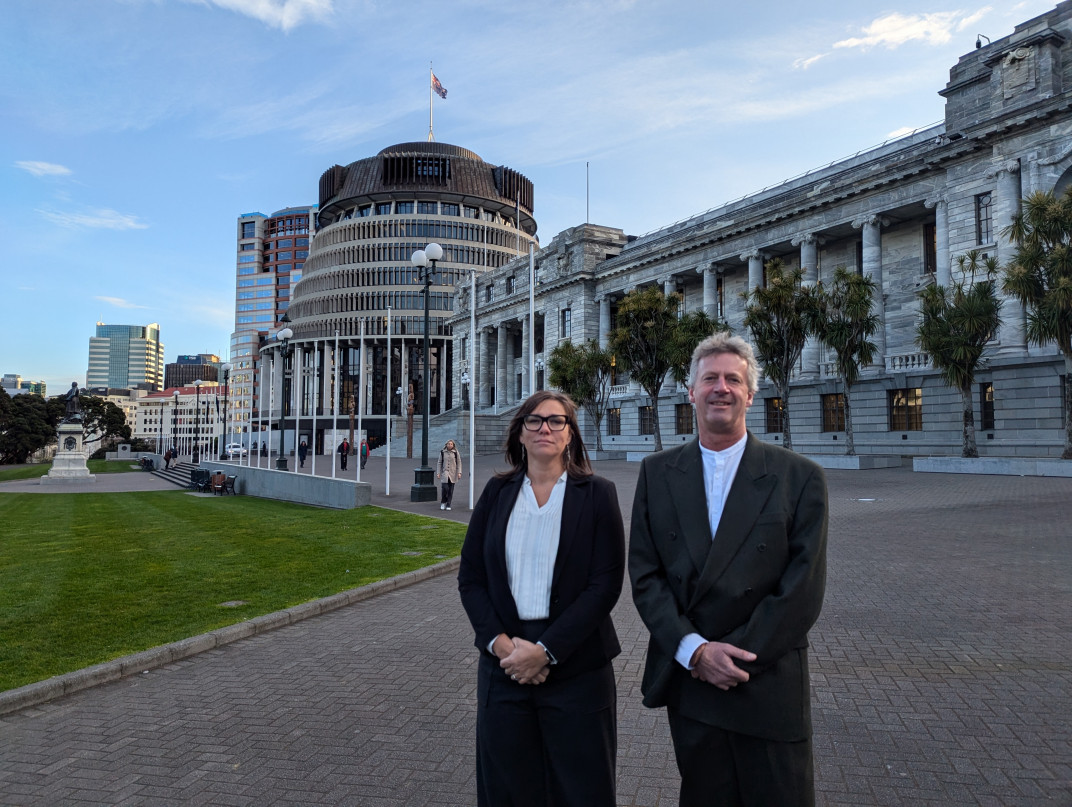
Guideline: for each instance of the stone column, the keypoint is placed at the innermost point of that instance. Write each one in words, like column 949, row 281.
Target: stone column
column 483, row 378
column 1006, row 206
column 669, row 287
column 710, row 290
column 809, row 263
column 755, row 260
column 501, row 387
column 604, row 320
column 943, row 274
column 871, row 234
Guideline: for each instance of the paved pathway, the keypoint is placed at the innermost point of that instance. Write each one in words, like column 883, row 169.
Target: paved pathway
column 942, row 669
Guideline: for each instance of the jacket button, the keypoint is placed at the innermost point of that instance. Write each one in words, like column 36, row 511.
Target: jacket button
column 748, row 591
column 673, row 536
column 761, row 548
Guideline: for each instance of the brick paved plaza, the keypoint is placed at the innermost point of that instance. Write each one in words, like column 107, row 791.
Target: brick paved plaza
column 942, row 670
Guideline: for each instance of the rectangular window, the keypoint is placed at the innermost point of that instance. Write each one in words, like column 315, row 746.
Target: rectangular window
column 984, row 218
column 906, row 409
column 647, row 419
column 429, row 208
column 248, row 247
column 284, row 256
column 285, row 243
column 509, row 285
column 930, row 249
column 449, row 209
column 364, row 212
column 567, row 324
column 833, row 412
column 614, row 421
column 383, row 209
column 986, row 406
column 266, row 280
column 247, row 258
column 774, row 414
column 720, row 296
column 249, row 229
column 403, row 207
column 245, row 282
column 245, row 295
column 683, row 418
column 471, row 212
column 487, row 294
column 859, row 257
column 247, row 270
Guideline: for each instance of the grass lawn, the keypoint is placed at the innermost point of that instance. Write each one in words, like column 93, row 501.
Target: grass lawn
column 89, row 577
column 95, row 467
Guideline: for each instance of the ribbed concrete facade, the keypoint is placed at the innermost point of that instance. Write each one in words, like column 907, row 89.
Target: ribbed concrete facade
column 373, row 215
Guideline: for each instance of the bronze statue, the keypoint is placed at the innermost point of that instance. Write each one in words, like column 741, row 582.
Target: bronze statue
column 73, row 413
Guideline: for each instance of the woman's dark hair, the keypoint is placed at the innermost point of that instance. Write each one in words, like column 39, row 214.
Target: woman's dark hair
column 576, row 457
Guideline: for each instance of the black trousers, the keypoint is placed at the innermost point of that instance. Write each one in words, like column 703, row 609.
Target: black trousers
column 722, row 768
column 446, row 492
column 547, row 745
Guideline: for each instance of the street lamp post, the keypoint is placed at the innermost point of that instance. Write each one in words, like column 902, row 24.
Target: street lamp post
column 175, row 424
column 283, row 334
column 226, row 367
column 424, row 489
column 465, row 389
column 196, row 456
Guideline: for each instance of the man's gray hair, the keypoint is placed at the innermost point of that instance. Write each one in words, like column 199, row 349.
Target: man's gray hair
column 722, row 342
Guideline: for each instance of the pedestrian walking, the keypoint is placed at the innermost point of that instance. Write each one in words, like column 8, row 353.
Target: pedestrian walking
column 303, row 452
column 364, row 453
column 344, row 452
column 448, row 471
column 167, row 459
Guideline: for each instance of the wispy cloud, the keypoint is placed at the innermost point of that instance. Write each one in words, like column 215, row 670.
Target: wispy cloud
column 894, row 30
column 119, row 302
column 95, row 220
column 805, row 63
column 42, row 169
column 282, row 14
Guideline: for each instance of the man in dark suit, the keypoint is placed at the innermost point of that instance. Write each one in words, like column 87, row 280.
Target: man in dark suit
column 727, row 561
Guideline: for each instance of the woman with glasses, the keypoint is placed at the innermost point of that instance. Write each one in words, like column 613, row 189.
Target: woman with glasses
column 541, row 568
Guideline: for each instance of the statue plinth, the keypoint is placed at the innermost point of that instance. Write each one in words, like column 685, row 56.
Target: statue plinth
column 69, row 464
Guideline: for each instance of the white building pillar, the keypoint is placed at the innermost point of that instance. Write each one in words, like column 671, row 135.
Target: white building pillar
column 942, row 259
column 809, row 263
column 755, row 259
column 604, row 320
column 483, row 377
column 526, row 333
column 1006, row 205
column 502, row 386
column 871, row 235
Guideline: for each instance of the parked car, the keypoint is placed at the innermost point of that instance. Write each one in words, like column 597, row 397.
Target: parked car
column 235, row 449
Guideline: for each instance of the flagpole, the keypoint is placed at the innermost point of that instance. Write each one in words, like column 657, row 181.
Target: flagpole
column 360, row 397
column 334, row 402
column 390, row 397
column 431, row 137
column 315, row 397
column 298, row 375
column 473, row 386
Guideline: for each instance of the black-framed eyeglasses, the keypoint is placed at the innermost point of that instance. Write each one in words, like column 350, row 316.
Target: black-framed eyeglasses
column 555, row 423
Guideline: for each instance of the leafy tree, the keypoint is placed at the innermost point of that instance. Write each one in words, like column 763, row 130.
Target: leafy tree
column 956, row 324
column 583, row 372
column 643, row 341
column 843, row 319
column 1040, row 275
column 103, row 421
column 691, row 329
column 651, row 341
column 778, row 315
column 26, row 426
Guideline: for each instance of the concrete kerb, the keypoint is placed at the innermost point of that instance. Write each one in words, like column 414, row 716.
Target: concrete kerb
column 43, row 691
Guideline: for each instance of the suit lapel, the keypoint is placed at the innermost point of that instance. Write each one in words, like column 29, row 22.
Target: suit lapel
column 751, row 488
column 573, row 506
column 685, row 480
column 496, row 534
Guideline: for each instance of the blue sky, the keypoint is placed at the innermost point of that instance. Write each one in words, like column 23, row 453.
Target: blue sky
column 134, row 132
